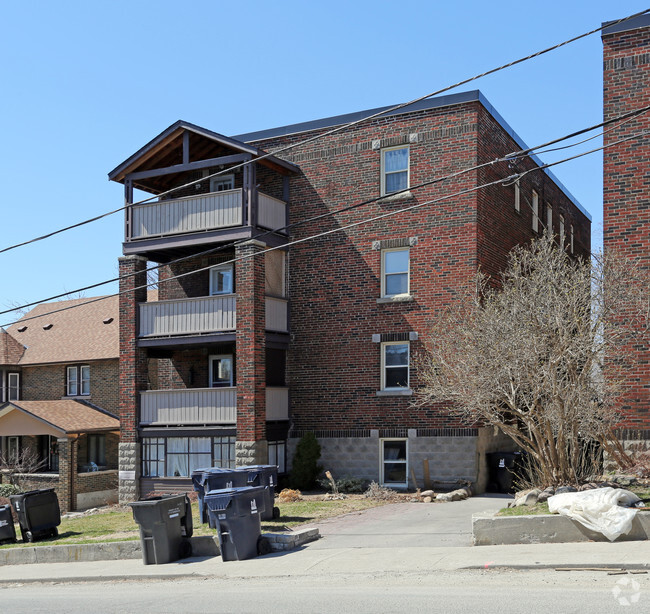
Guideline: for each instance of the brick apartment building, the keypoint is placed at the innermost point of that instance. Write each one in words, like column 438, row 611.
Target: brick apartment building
column 236, row 361
column 626, row 187
column 59, row 398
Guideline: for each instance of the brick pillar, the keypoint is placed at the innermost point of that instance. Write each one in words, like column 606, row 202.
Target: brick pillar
column 133, row 374
column 251, row 447
column 67, row 491
column 626, row 194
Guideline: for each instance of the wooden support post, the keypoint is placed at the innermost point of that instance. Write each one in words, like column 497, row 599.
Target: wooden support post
column 415, row 483
column 427, row 476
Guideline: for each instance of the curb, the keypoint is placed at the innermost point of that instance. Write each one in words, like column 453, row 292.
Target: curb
column 202, row 546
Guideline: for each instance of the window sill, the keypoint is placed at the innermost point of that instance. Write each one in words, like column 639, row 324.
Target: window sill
column 76, row 396
column 389, row 198
column 398, row 298
column 396, row 392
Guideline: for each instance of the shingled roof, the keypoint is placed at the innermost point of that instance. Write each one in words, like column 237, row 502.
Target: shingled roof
column 68, row 415
column 11, row 351
column 54, row 333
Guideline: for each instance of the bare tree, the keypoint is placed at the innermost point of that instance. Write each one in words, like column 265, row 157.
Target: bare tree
column 527, row 353
column 18, row 465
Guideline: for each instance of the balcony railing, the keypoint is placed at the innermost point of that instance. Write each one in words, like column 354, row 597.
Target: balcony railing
column 277, row 403
column 191, row 406
column 200, row 213
column 192, row 316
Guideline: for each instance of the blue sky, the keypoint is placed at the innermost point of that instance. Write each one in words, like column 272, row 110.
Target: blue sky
column 85, row 84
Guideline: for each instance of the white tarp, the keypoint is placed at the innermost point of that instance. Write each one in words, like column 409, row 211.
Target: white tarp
column 598, row 509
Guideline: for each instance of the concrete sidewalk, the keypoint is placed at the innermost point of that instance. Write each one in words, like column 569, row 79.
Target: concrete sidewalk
column 309, row 560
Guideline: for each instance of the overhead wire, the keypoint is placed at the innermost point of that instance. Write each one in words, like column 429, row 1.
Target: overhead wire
column 348, row 226
column 510, row 157
column 346, row 126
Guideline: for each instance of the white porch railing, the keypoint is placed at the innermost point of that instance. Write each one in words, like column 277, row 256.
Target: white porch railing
column 191, row 406
column 277, row 403
column 190, row 316
column 185, row 215
column 277, row 314
column 272, row 212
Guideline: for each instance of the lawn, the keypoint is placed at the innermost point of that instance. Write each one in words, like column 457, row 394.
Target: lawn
column 116, row 523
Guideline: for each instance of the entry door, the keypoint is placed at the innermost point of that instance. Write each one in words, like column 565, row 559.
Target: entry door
column 221, row 371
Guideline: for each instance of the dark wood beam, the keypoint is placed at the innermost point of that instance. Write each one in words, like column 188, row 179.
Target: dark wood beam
column 190, row 166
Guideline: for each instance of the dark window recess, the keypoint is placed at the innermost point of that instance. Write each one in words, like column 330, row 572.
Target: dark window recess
column 276, row 361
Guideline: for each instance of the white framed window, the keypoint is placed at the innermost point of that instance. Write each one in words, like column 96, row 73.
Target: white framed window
column 517, row 197
column 394, row 170
column 395, row 271
column 222, row 279
column 277, row 454
column 221, row 371
column 395, row 365
column 221, row 183
column 562, row 230
column 394, row 463
column 78, row 380
column 549, row 219
column 535, row 212
column 13, row 386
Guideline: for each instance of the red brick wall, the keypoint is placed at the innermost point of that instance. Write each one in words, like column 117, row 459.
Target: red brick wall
column 626, row 215
column 334, row 367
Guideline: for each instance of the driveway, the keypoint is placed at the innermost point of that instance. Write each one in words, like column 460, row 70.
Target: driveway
column 407, row 525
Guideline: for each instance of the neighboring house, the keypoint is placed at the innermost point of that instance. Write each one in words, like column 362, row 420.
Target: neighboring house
column 237, row 361
column 59, row 373
column 626, row 193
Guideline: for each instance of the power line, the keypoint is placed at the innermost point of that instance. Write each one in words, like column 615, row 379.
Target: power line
column 352, row 225
column 508, row 157
column 330, row 132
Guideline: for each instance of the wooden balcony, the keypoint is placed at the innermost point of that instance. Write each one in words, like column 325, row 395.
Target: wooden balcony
column 277, row 403
column 200, row 214
column 191, row 316
column 204, row 315
column 187, row 407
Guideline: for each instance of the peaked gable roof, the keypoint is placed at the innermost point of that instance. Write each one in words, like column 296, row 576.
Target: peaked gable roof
column 11, row 350
column 68, row 415
column 55, row 333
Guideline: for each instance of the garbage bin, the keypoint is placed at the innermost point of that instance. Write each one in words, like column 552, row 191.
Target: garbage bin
column 215, row 478
column 165, row 528
column 38, row 513
column 504, row 469
column 265, row 475
column 235, row 512
column 7, row 529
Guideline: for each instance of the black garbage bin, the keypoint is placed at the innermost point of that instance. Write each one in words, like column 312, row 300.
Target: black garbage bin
column 165, row 528
column 7, row 529
column 215, row 478
column 504, row 468
column 265, row 475
column 235, row 512
column 38, row 513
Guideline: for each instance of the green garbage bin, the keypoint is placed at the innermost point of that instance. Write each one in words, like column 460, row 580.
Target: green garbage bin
column 38, row 513
column 165, row 528
column 235, row 512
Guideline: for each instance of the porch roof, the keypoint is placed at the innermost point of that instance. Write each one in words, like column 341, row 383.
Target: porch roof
column 63, row 417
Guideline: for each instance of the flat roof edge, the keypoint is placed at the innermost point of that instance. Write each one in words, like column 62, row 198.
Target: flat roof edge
column 642, row 21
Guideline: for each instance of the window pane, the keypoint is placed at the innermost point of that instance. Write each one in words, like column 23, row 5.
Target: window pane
column 395, row 473
column 397, row 354
column 222, row 371
column 85, row 380
column 397, row 284
column 72, row 381
column 396, row 182
column 395, row 450
column 221, row 280
column 397, row 377
column 396, row 160
column 397, row 261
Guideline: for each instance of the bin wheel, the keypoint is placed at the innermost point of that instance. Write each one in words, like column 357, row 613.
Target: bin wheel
column 185, row 550
column 29, row 537
column 276, row 512
column 263, row 546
